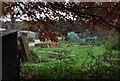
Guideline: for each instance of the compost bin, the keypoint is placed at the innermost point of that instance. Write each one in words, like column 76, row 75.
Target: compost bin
column 10, row 60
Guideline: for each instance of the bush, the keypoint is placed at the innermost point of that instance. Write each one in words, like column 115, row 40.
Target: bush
column 112, row 43
column 98, row 43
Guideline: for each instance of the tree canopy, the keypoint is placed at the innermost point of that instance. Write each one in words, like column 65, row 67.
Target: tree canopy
column 91, row 14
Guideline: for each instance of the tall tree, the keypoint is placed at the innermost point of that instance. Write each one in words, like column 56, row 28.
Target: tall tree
column 92, row 14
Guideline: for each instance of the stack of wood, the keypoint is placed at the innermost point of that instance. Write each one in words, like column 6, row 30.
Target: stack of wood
column 50, row 44
column 55, row 45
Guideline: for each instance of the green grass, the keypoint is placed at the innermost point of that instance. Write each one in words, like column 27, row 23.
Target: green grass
column 79, row 64
column 84, row 43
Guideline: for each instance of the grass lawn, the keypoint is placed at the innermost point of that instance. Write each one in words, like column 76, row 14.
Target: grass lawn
column 67, row 62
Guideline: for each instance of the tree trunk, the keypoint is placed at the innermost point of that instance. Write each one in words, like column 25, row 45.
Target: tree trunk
column 13, row 23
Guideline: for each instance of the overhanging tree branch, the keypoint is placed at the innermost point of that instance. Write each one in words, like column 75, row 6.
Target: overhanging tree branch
column 86, row 15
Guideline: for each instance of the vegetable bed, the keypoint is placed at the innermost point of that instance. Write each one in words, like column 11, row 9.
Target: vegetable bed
column 68, row 62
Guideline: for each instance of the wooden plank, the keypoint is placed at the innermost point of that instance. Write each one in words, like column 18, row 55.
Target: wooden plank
column 25, row 48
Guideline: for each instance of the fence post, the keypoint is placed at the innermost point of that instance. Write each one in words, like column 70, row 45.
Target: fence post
column 25, row 48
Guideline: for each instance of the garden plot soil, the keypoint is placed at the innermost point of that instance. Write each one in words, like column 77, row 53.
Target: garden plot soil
column 58, row 57
column 111, row 62
column 113, row 57
column 65, row 52
column 40, row 61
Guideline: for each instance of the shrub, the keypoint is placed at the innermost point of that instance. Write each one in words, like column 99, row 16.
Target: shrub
column 98, row 43
column 112, row 42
